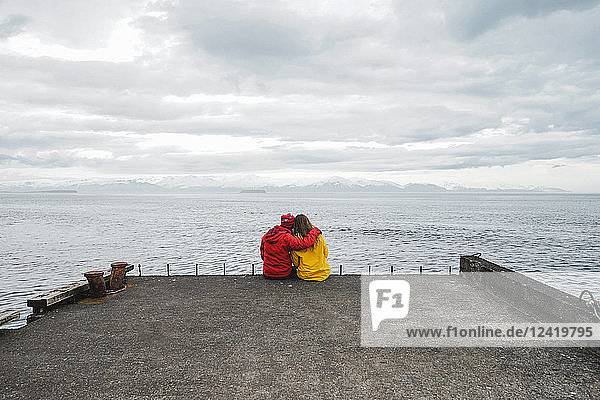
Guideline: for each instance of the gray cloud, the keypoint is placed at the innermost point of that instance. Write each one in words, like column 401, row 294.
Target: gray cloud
column 5, row 158
column 13, row 25
column 433, row 86
column 249, row 39
column 67, row 22
column 468, row 18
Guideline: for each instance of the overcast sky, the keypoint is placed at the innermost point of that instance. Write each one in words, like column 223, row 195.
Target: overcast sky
column 480, row 93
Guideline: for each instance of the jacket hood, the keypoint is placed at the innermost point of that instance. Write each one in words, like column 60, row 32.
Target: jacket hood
column 275, row 233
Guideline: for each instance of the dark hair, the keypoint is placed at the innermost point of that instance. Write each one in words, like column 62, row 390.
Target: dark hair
column 301, row 225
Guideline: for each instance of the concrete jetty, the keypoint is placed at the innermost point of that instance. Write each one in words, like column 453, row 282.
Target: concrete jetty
column 245, row 337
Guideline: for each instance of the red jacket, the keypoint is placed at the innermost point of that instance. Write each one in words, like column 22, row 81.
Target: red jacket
column 275, row 249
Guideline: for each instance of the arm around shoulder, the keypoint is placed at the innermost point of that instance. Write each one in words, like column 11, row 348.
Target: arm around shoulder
column 300, row 244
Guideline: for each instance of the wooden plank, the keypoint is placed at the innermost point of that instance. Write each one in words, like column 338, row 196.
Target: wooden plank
column 54, row 296
column 69, row 291
column 8, row 316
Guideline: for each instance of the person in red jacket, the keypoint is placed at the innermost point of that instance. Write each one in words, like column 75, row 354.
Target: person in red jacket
column 276, row 245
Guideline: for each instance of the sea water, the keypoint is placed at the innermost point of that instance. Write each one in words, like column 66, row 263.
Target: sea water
column 48, row 240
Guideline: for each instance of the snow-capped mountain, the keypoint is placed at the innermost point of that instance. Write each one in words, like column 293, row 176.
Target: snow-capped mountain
column 196, row 181
column 237, row 183
column 338, row 184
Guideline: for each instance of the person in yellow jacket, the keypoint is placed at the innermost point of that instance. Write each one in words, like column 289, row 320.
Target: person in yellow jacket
column 311, row 263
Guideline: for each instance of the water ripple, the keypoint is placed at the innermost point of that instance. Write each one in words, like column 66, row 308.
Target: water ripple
column 50, row 240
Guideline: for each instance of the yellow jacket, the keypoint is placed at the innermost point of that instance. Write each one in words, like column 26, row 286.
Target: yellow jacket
column 312, row 262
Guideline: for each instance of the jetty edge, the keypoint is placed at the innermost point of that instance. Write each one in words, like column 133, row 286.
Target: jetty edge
column 246, row 337
column 67, row 293
column 8, row 316
column 522, row 291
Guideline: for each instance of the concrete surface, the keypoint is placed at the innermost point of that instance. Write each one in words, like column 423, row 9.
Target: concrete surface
column 246, row 337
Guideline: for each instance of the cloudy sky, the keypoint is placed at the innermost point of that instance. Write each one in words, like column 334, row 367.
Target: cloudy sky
column 480, row 93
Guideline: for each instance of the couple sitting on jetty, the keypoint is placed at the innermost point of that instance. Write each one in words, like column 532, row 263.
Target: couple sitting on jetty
column 294, row 249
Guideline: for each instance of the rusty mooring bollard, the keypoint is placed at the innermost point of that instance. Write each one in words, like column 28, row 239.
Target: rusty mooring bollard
column 96, row 281
column 117, row 275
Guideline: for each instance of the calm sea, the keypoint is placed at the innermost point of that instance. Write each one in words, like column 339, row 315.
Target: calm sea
column 47, row 240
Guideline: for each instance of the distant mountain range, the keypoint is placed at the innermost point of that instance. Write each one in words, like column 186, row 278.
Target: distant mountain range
column 203, row 184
